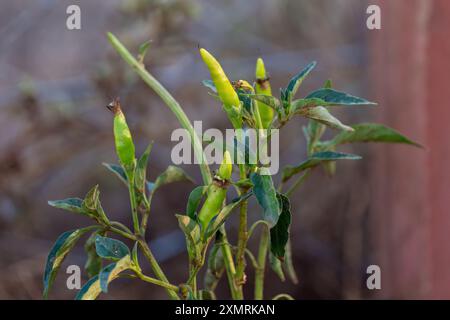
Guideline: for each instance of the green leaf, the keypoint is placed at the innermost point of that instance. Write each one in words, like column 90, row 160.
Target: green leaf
column 297, row 80
column 58, row 253
column 337, row 98
column 322, row 115
column 191, row 230
column 288, row 263
column 314, row 160
column 279, row 234
column 70, row 204
column 267, row 197
column 270, row 101
column 91, row 200
column 134, row 255
column 94, row 286
column 194, row 199
column 275, row 265
column 143, row 48
column 215, row 224
column 216, row 264
column 328, row 84
column 94, row 262
column 118, row 171
column 299, row 104
column 171, row 174
column 91, row 204
column 244, row 183
column 141, row 172
column 111, row 249
column 314, row 132
column 209, row 84
column 372, row 132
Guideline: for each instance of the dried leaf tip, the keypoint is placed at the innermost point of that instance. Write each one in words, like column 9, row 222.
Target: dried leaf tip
column 114, row 106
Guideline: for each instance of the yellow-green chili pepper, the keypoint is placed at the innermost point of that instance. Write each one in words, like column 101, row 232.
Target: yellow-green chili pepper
column 224, row 88
column 122, row 137
column 263, row 87
column 217, row 192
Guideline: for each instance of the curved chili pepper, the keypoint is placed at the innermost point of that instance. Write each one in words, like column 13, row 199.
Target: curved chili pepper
column 122, row 137
column 217, row 192
column 226, row 92
column 263, row 87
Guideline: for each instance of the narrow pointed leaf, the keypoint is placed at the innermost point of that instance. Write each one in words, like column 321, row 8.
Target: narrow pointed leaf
column 143, row 48
column 111, row 249
column 91, row 200
column 141, row 171
column 195, row 197
column 275, row 265
column 216, row 264
column 210, row 84
column 297, row 80
column 270, row 101
column 58, row 253
column 171, row 174
column 322, row 115
column 69, row 204
column 314, row 160
column 288, row 263
column 94, row 286
column 118, row 171
column 215, row 224
column 267, row 197
column 93, row 263
column 372, row 132
column 337, row 98
column 191, row 230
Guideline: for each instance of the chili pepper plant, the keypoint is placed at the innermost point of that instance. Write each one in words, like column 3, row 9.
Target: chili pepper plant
column 208, row 208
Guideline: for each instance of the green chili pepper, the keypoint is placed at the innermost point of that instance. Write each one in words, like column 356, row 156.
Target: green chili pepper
column 263, row 87
column 216, row 193
column 226, row 92
column 122, row 136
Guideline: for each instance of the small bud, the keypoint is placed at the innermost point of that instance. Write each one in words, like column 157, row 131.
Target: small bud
column 226, row 167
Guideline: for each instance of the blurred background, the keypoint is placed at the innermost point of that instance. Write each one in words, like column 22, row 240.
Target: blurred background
column 389, row 209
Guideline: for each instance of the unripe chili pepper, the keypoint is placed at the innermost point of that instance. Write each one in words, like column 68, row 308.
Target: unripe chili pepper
column 122, row 137
column 217, row 192
column 263, row 87
column 226, row 92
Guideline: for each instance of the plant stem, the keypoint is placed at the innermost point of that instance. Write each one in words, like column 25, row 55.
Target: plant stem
column 156, row 281
column 229, row 265
column 298, row 182
column 169, row 101
column 121, row 225
column 133, row 204
column 146, row 214
column 124, row 234
column 242, row 244
column 156, row 268
column 262, row 255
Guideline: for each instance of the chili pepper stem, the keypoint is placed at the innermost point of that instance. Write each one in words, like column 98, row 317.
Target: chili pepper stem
column 133, row 204
column 229, row 266
column 242, row 244
column 157, row 282
column 262, row 256
column 156, row 268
